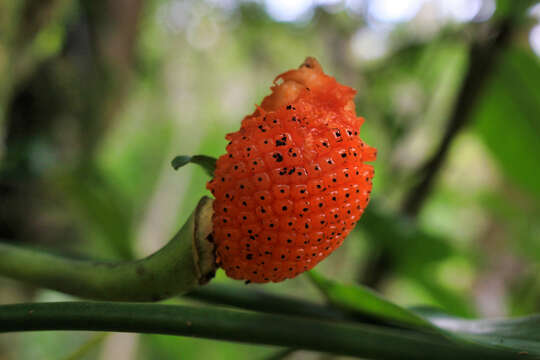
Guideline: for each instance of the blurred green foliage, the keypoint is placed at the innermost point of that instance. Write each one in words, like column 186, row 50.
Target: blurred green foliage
column 97, row 97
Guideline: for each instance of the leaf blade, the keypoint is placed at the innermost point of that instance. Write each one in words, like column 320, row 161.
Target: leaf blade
column 208, row 163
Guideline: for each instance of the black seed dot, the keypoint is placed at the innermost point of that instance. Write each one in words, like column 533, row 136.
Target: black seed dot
column 289, row 107
column 289, row 241
column 278, row 157
column 343, row 155
column 284, row 208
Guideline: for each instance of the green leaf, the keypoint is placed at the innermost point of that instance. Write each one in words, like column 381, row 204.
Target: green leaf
column 208, row 163
column 507, row 118
column 366, row 302
column 520, row 334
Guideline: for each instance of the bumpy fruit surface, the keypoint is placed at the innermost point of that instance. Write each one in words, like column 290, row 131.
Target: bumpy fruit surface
column 293, row 182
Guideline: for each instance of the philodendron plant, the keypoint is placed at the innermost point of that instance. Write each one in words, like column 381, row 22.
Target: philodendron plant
column 291, row 186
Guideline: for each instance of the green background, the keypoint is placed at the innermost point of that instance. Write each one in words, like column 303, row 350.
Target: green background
column 97, row 97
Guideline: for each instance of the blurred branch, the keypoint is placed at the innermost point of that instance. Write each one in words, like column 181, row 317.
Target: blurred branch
column 483, row 56
column 23, row 21
column 186, row 262
column 361, row 340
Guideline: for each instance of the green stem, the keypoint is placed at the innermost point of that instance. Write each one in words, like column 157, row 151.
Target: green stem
column 215, row 323
column 258, row 300
column 180, row 266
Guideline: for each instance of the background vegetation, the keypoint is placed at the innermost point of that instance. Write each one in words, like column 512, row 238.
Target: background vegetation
column 96, row 98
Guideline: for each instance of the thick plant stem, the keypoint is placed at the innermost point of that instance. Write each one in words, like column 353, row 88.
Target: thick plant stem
column 366, row 341
column 180, row 266
column 258, row 300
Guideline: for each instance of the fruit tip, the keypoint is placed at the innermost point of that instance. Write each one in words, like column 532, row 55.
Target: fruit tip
column 311, row 63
